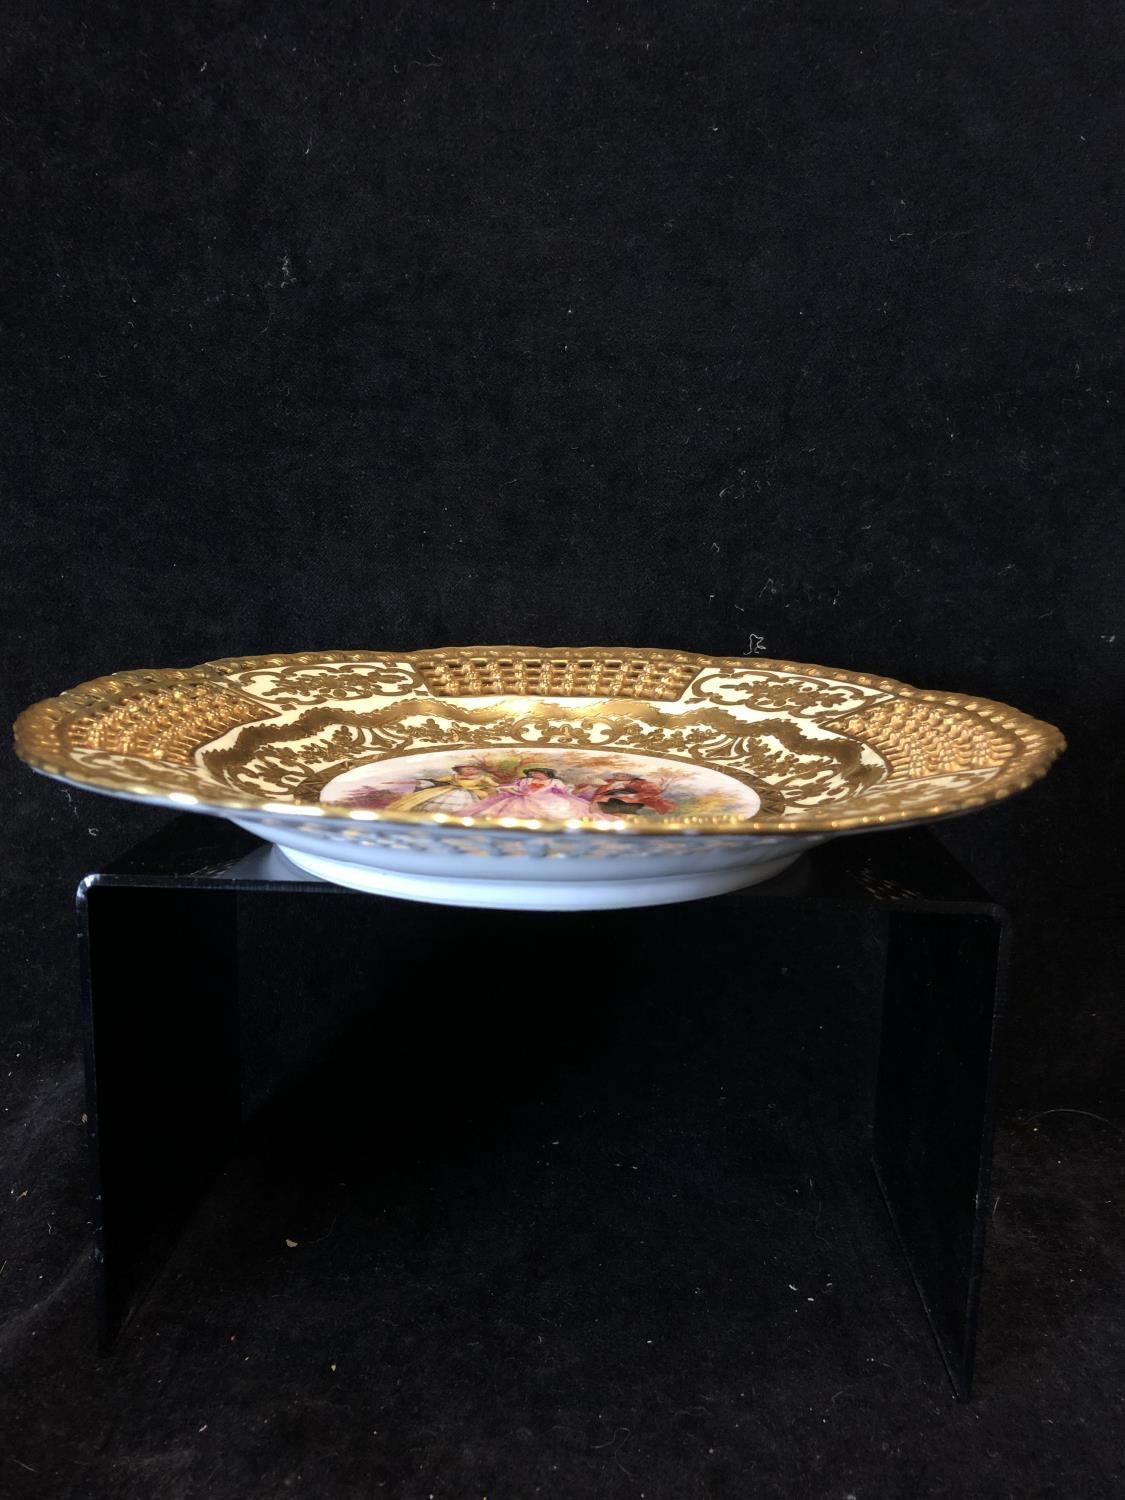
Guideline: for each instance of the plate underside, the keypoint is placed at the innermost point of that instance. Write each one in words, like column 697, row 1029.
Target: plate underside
column 577, row 894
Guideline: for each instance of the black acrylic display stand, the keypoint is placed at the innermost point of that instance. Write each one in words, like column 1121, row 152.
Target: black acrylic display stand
column 159, row 932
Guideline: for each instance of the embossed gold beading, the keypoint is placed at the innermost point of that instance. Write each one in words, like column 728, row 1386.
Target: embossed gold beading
column 825, row 749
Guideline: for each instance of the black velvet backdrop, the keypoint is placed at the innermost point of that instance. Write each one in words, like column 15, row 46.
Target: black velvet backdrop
column 694, row 326
column 727, row 327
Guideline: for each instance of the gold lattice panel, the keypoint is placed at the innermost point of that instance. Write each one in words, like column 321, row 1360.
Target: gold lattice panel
column 917, row 738
column 164, row 722
column 459, row 674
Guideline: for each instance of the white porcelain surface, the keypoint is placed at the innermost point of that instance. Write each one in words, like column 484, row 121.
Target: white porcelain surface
column 515, row 870
column 584, row 892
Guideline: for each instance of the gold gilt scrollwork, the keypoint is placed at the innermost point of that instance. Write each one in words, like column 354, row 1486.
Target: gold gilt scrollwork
column 825, row 749
column 298, row 684
column 779, row 692
column 775, row 754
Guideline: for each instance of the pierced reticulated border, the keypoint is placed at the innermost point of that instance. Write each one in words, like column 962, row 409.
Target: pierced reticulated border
column 38, row 738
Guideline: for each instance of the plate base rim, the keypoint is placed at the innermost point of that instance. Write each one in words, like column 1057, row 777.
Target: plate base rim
column 536, row 895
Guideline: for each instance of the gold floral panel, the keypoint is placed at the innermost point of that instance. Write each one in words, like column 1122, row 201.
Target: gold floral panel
column 540, row 738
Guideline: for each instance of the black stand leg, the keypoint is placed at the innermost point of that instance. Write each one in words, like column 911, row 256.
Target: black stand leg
column 933, row 1118
column 161, row 1024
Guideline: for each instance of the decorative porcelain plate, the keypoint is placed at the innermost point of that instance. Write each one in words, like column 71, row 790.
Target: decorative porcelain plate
column 515, row 776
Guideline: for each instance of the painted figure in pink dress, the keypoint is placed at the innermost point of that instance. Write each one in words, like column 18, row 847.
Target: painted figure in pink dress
column 538, row 793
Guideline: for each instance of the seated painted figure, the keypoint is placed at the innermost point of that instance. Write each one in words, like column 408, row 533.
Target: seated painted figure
column 631, row 795
column 461, row 792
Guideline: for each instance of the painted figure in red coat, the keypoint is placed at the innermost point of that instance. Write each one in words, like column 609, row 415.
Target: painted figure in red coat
column 631, row 794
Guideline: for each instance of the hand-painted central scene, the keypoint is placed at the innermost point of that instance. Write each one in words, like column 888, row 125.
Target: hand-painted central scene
column 548, row 784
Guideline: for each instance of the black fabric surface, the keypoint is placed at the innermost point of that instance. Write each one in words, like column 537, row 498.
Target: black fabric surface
column 791, row 328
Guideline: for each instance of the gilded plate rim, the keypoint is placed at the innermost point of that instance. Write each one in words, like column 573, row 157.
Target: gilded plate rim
column 36, row 743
